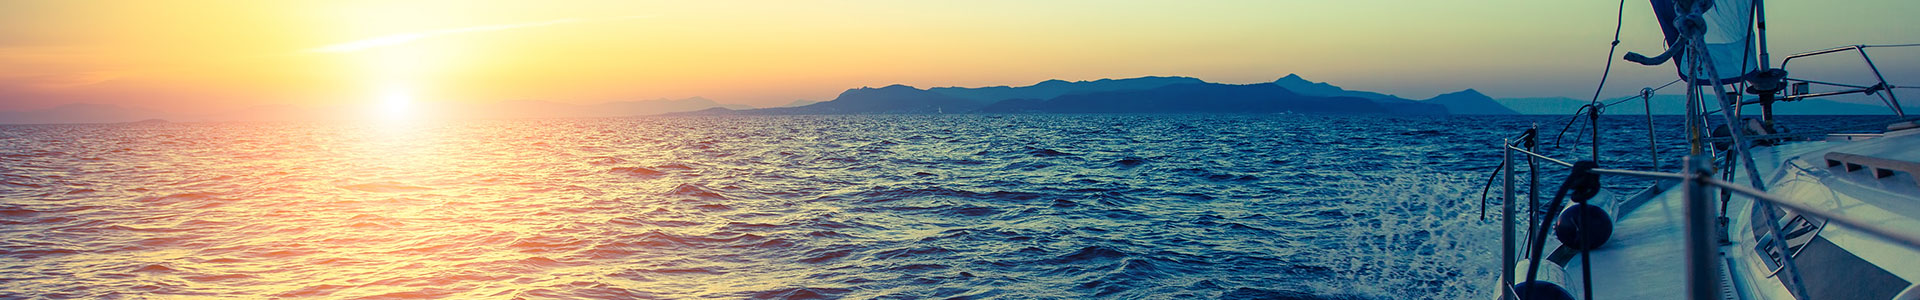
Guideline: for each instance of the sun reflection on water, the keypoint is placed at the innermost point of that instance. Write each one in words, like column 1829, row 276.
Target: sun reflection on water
column 662, row 207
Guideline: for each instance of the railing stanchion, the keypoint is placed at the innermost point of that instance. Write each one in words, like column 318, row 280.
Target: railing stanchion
column 1533, row 174
column 1506, row 224
column 1702, row 258
column 1653, row 149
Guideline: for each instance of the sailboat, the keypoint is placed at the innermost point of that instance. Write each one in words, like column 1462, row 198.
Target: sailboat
column 1753, row 213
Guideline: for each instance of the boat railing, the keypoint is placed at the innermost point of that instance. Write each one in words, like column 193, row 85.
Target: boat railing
column 1695, row 178
column 1696, row 181
column 1883, row 89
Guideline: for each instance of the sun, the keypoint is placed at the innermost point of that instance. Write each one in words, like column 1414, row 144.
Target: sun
column 395, row 105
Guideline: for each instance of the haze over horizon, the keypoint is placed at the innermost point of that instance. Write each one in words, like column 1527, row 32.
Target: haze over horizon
column 214, row 55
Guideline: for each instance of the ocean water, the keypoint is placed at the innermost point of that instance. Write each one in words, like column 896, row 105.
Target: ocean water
column 784, row 207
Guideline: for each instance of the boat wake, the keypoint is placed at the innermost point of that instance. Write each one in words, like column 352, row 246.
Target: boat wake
column 1413, row 236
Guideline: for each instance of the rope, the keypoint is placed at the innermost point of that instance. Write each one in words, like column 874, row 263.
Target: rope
column 1586, row 273
column 1583, row 184
column 1488, row 187
column 1528, row 135
column 1570, row 119
column 1619, row 15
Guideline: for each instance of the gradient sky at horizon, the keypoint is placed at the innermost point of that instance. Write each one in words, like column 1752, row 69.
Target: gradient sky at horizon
column 210, row 55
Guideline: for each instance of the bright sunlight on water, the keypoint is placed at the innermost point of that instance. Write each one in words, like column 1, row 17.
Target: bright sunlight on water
column 798, row 207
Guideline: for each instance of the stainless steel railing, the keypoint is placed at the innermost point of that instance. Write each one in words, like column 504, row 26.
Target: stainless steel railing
column 1696, row 182
column 1891, row 100
column 1909, row 240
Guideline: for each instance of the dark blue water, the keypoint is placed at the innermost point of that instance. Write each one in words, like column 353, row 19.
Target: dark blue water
column 799, row 207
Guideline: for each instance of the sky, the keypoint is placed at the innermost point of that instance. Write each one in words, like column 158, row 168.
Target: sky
column 203, row 56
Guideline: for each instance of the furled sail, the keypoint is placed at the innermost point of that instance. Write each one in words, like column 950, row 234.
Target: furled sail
column 1728, row 38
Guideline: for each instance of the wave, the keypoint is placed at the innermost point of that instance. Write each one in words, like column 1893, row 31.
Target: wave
column 605, row 160
column 636, row 172
column 696, row 191
column 385, row 187
column 1414, row 233
column 1003, row 206
column 1089, row 254
column 799, row 293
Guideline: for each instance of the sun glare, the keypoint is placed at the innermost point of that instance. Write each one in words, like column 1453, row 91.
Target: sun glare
column 395, row 106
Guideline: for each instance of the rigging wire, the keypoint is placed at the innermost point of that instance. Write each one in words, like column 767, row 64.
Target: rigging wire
column 1630, row 98
column 1619, row 15
column 1619, row 18
column 1576, row 114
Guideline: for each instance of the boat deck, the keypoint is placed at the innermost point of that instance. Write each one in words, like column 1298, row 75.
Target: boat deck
column 1646, row 258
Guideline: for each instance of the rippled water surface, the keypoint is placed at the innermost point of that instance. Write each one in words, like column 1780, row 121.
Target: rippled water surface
column 980, row 206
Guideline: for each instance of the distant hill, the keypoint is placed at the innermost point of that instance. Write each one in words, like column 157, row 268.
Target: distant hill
column 279, row 113
column 892, row 99
column 799, row 102
column 1167, row 95
column 1470, row 102
column 654, row 107
column 1467, row 102
column 543, row 109
column 1293, row 82
column 79, row 113
column 1055, row 88
column 1206, row 98
column 1550, row 105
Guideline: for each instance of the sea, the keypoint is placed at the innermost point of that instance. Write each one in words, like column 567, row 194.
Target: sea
column 1218, row 206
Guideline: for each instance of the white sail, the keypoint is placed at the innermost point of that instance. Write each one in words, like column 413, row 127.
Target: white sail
column 1728, row 39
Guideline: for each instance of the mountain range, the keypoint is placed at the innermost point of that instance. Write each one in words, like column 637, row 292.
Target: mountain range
column 1152, row 94
column 1295, row 83
column 1055, row 88
column 544, row 109
column 892, row 99
column 80, row 113
column 1206, row 98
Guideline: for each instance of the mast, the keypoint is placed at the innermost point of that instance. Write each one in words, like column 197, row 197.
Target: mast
column 1760, row 20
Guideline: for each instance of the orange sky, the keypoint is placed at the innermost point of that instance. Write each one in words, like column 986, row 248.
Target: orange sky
column 210, row 55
